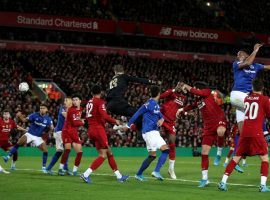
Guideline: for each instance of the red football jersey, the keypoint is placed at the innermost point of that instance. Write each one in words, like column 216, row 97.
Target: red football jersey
column 96, row 113
column 5, row 128
column 173, row 101
column 257, row 108
column 234, row 131
column 73, row 120
column 211, row 112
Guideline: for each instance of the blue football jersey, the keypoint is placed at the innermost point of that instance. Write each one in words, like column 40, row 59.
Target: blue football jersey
column 151, row 114
column 243, row 77
column 60, row 120
column 38, row 123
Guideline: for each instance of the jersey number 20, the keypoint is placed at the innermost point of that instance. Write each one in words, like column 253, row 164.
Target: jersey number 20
column 251, row 111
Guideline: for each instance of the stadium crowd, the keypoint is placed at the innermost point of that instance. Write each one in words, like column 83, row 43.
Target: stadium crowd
column 75, row 72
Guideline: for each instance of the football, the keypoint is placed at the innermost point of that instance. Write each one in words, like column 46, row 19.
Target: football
column 23, row 87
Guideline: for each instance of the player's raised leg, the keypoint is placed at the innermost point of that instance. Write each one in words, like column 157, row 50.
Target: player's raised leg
column 220, row 144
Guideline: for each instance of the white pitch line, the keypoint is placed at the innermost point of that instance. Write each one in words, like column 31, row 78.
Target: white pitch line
column 167, row 179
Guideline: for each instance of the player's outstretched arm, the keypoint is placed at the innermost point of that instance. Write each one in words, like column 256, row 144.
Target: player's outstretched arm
column 267, row 67
column 249, row 60
column 139, row 112
column 142, row 80
column 105, row 115
column 20, row 128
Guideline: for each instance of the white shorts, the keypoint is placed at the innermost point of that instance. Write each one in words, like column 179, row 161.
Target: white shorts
column 237, row 99
column 153, row 140
column 58, row 140
column 33, row 139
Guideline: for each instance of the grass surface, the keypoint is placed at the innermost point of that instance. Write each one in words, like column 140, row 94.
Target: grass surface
column 27, row 182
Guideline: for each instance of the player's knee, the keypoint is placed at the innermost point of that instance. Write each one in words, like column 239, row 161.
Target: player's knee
column 166, row 151
column 221, row 131
column 265, row 158
column 151, row 158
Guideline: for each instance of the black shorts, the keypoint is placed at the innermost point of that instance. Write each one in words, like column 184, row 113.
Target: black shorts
column 120, row 107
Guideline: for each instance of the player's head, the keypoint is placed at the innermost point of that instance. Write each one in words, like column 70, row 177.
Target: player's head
column 96, row 90
column 242, row 55
column 257, row 85
column 76, row 99
column 6, row 115
column 155, row 91
column 68, row 102
column 43, row 109
column 200, row 85
column 118, row 69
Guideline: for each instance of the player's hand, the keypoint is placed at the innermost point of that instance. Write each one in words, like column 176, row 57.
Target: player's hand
column 160, row 122
column 257, row 47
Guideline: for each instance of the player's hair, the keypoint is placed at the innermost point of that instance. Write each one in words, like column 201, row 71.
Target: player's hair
column 257, row 85
column 76, row 96
column 244, row 50
column 201, row 85
column 118, row 68
column 96, row 89
column 44, row 105
column 154, row 91
column 5, row 111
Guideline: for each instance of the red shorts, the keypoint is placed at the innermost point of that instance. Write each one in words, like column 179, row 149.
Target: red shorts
column 5, row 145
column 70, row 137
column 169, row 128
column 251, row 146
column 209, row 139
column 99, row 137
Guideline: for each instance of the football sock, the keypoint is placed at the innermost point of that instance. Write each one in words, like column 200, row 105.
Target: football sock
column 66, row 164
column 244, row 161
column 230, row 153
column 65, row 157
column 146, row 164
column 97, row 162
column 13, row 150
column 219, row 151
column 264, row 172
column 15, row 156
column 204, row 174
column 55, row 157
column 161, row 160
column 205, row 162
column 78, row 159
column 172, row 151
column 87, row 172
column 112, row 163
column 44, row 159
column 171, row 164
column 230, row 167
column 118, row 174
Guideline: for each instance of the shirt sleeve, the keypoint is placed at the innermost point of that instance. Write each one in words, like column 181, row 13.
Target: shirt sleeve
column 202, row 93
column 138, row 80
column 259, row 67
column 141, row 111
column 31, row 117
column 104, row 114
column 166, row 94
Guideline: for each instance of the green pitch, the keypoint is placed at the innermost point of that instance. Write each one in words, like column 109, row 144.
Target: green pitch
column 27, row 182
